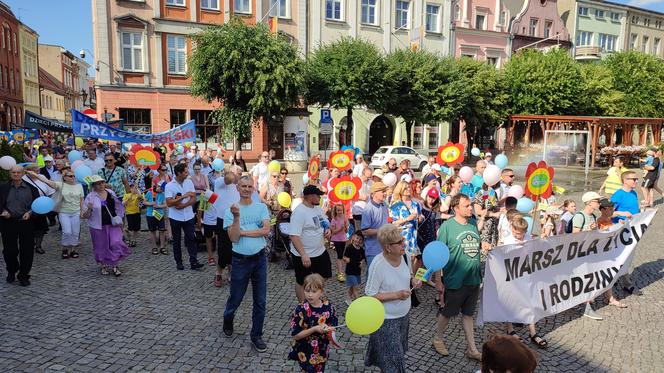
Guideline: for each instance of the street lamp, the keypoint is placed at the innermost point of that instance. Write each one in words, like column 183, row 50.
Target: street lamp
column 81, row 53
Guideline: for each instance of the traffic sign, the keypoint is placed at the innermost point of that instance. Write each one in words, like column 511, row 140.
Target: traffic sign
column 326, row 116
column 325, row 129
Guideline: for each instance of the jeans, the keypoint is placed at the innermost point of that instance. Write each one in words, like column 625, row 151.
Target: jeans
column 18, row 246
column 370, row 259
column 189, row 240
column 71, row 228
column 245, row 269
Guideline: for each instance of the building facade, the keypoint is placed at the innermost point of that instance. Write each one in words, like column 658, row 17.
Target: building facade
column 481, row 30
column 11, row 84
column 52, row 96
column 80, row 96
column 644, row 31
column 537, row 24
column 29, row 55
column 61, row 64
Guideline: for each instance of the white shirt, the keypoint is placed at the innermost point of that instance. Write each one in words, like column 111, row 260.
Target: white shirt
column 513, row 241
column 306, row 222
column 227, row 196
column 95, row 165
column 172, row 189
column 358, row 169
column 426, row 169
column 384, row 278
column 260, row 171
column 42, row 187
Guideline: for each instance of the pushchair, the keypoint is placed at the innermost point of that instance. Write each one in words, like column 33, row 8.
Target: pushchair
column 280, row 240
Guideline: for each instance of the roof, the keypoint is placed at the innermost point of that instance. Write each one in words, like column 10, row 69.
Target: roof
column 591, row 119
column 50, row 82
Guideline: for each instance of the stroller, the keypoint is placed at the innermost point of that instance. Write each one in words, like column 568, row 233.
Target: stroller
column 280, row 240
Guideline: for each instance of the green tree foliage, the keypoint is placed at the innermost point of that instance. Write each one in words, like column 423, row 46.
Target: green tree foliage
column 543, row 83
column 252, row 72
column 640, row 77
column 14, row 150
column 347, row 73
column 599, row 97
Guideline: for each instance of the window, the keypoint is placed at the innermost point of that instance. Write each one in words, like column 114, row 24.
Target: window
column 3, row 38
column 433, row 137
column 16, row 49
column 433, row 14
column 632, row 41
column 11, row 79
column 402, row 19
column 210, row 4
column 132, row 51
column 457, row 12
column 583, row 11
column 655, row 46
column 136, row 120
column 242, row 6
column 584, row 38
column 418, row 130
column 492, row 61
column 503, row 18
column 279, row 8
column 599, row 13
column 532, row 29
column 548, row 25
column 177, row 52
column 607, row 42
column 2, row 80
column 178, row 117
column 479, row 21
column 206, row 130
column 369, row 12
column 615, row 16
column 334, row 10
column 644, row 45
column 175, row 2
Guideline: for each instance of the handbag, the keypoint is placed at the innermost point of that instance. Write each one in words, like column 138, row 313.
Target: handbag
column 115, row 220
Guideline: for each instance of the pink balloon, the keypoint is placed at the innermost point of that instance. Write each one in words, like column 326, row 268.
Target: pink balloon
column 390, row 179
column 491, row 175
column 516, row 191
column 466, row 174
column 76, row 164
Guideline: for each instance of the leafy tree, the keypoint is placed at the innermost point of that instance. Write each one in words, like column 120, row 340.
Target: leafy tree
column 347, row 73
column 599, row 95
column 14, row 150
column 640, row 77
column 252, row 72
column 543, row 83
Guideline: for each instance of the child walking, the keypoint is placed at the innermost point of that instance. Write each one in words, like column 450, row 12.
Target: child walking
column 353, row 257
column 131, row 202
column 310, row 323
column 155, row 202
column 339, row 230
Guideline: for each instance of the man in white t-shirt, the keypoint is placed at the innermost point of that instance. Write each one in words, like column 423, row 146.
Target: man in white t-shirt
column 180, row 197
column 95, row 163
column 259, row 172
column 226, row 190
column 309, row 228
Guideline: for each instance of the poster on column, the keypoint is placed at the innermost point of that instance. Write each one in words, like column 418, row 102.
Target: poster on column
column 543, row 277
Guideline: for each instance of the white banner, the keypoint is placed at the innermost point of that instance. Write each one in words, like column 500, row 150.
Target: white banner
column 543, row 277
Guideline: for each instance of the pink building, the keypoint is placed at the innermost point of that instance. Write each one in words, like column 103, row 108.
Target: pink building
column 481, row 30
column 537, row 24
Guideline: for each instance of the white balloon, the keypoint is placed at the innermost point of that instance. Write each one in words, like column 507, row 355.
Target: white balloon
column 7, row 162
column 491, row 175
column 516, row 191
column 390, row 179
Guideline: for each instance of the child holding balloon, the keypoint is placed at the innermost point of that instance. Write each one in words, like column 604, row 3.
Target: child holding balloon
column 311, row 326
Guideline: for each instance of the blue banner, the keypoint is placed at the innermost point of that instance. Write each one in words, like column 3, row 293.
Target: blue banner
column 20, row 135
column 84, row 126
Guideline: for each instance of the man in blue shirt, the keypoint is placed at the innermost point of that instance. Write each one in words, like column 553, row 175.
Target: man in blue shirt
column 248, row 223
column 374, row 216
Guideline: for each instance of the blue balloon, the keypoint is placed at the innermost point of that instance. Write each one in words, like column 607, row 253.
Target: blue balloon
column 501, row 161
column 74, row 156
column 475, row 152
column 524, row 205
column 43, row 205
column 529, row 219
column 435, row 256
column 180, row 149
column 218, row 164
column 81, row 172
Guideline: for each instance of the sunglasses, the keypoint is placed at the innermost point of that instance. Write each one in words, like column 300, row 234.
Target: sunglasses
column 197, row 169
column 109, row 160
column 632, row 178
column 509, row 175
column 284, row 173
column 400, row 242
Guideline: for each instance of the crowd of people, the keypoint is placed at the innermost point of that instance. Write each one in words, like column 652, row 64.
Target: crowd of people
column 237, row 212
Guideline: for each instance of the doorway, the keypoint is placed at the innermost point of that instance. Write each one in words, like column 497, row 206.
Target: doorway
column 381, row 133
column 275, row 137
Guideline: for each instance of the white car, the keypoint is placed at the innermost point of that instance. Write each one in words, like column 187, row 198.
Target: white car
column 384, row 153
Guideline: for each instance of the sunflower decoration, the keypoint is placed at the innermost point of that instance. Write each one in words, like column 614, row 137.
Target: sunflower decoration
column 450, row 154
column 539, row 180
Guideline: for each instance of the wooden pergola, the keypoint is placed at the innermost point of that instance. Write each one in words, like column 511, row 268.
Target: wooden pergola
column 595, row 125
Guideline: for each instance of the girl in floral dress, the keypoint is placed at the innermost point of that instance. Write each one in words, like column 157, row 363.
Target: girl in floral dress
column 310, row 323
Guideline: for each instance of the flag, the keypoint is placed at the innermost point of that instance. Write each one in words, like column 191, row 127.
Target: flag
column 273, row 24
column 416, row 36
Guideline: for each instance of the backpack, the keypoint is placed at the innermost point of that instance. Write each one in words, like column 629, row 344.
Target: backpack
column 570, row 226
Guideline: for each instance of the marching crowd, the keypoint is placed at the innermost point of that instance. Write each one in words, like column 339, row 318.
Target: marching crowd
column 242, row 214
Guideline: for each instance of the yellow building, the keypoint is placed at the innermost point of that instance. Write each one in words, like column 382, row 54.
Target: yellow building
column 52, row 96
column 29, row 54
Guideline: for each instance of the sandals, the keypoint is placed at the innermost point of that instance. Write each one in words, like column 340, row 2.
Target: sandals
column 116, row 271
column 104, row 271
column 73, row 254
column 155, row 251
column 539, row 341
column 618, row 304
column 65, row 254
column 163, row 251
column 515, row 335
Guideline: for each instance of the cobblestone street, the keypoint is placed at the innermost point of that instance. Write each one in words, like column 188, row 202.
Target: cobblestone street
column 155, row 318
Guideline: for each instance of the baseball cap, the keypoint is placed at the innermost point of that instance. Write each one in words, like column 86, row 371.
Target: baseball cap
column 378, row 173
column 312, row 189
column 488, row 154
column 428, row 178
column 433, row 193
column 605, row 202
column 377, row 187
column 589, row 196
column 48, row 158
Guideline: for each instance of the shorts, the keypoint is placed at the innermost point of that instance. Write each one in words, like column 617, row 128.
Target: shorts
column 462, row 300
column 339, row 247
column 156, row 225
column 134, row 222
column 320, row 264
column 209, row 230
column 353, row 280
column 649, row 182
column 224, row 245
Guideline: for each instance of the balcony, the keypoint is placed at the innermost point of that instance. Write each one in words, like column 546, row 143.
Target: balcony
column 588, row 53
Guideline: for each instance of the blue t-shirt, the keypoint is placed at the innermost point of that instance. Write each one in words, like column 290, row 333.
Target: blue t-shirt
column 625, row 201
column 374, row 216
column 251, row 218
column 160, row 199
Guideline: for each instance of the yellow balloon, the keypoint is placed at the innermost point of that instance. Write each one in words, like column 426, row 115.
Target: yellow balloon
column 274, row 166
column 365, row 315
column 78, row 141
column 284, row 199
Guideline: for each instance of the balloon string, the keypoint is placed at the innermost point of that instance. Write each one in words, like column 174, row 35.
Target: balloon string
column 340, row 326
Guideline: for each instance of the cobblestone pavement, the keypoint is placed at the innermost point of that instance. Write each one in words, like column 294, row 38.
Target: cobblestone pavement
column 155, row 318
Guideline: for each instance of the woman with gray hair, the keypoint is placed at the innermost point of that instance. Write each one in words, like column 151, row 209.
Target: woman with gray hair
column 390, row 282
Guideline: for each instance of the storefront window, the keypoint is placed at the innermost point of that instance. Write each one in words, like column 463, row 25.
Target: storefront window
column 418, row 136
column 433, row 136
column 136, row 120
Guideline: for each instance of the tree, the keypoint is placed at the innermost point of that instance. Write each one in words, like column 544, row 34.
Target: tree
column 640, row 77
column 347, row 73
column 543, row 83
column 253, row 72
column 599, row 95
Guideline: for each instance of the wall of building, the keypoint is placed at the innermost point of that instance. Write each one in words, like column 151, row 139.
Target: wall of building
column 53, row 105
column 30, row 67
column 11, row 90
column 647, row 28
column 481, row 42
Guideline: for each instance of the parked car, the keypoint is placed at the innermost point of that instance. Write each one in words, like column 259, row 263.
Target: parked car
column 384, row 153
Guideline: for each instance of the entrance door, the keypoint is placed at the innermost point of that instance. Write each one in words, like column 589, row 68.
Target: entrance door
column 381, row 133
column 275, row 138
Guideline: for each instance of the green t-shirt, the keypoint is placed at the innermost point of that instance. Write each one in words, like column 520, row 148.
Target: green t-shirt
column 463, row 240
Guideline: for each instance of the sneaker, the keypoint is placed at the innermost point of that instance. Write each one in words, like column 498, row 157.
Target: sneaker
column 217, row 281
column 155, row 251
column 180, row 267
column 197, row 266
column 24, row 282
column 228, row 328
column 163, row 251
column 211, row 262
column 591, row 313
column 259, row 345
column 440, row 347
